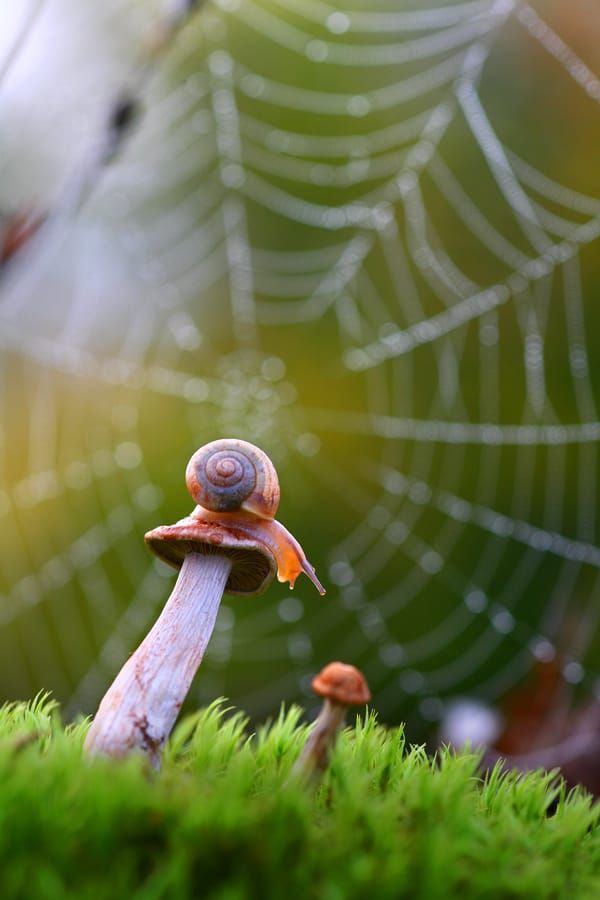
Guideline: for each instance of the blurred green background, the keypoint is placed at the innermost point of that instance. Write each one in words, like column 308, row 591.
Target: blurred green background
column 365, row 239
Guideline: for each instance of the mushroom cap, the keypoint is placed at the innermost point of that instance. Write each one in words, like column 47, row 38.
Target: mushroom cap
column 342, row 683
column 254, row 565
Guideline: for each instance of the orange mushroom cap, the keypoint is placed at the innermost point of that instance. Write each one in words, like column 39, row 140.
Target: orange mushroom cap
column 342, row 683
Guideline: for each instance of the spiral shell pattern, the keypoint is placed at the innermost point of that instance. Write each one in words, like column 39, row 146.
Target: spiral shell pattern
column 229, row 475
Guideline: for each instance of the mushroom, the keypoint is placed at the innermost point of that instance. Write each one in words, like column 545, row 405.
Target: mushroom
column 231, row 543
column 341, row 686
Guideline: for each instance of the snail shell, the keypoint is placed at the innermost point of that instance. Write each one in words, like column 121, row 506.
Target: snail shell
column 229, row 475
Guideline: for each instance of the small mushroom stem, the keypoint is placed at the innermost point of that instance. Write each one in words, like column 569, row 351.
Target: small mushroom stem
column 141, row 706
column 314, row 756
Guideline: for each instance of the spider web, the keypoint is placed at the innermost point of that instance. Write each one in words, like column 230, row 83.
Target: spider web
column 363, row 239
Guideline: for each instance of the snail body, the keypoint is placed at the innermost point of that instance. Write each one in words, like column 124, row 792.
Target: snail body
column 229, row 474
column 283, row 546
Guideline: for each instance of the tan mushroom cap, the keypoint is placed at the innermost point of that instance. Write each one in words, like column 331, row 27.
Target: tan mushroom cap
column 342, row 683
column 254, row 565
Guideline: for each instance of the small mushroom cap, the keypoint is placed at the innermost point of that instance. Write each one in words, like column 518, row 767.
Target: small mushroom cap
column 342, row 683
column 253, row 568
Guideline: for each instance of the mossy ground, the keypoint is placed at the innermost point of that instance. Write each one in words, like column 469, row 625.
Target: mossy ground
column 223, row 819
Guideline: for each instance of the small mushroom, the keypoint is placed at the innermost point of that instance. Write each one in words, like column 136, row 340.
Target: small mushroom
column 231, row 542
column 341, row 686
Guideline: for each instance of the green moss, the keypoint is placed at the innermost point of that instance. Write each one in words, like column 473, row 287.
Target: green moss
column 224, row 819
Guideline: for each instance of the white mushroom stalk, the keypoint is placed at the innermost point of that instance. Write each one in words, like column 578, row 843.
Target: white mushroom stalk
column 140, row 708
column 226, row 545
column 314, row 756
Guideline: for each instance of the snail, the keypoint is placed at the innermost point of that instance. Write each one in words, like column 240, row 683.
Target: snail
column 236, row 489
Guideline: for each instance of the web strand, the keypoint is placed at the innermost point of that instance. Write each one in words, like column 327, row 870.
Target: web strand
column 322, row 234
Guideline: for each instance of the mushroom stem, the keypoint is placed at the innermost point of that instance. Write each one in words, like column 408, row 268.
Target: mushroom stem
column 315, row 753
column 139, row 709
